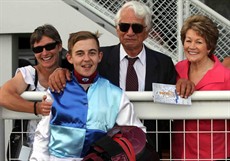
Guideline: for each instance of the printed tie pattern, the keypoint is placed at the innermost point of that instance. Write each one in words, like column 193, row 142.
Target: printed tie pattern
column 131, row 77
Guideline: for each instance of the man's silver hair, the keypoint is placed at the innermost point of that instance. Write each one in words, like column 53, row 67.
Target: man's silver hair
column 140, row 10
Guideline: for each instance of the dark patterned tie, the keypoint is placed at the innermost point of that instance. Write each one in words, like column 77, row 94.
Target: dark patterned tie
column 131, row 77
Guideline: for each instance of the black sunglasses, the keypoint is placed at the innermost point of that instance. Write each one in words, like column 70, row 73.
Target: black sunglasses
column 137, row 28
column 48, row 47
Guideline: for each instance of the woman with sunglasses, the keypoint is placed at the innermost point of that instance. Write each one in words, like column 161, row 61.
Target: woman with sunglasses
column 46, row 44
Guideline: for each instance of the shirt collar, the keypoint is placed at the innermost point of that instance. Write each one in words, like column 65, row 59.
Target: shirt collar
column 141, row 55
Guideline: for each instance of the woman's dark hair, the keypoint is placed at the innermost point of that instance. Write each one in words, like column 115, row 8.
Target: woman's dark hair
column 45, row 30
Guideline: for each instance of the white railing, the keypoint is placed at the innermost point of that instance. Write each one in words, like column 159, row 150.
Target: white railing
column 205, row 105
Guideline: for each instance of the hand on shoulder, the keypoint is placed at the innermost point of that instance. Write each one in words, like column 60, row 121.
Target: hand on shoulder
column 57, row 80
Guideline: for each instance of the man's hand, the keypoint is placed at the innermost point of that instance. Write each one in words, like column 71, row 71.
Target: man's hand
column 185, row 88
column 57, row 80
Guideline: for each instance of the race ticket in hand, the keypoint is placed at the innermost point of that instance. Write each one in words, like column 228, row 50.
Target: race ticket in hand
column 166, row 93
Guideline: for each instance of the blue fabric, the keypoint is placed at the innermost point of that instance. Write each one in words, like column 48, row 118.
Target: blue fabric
column 80, row 118
column 61, row 141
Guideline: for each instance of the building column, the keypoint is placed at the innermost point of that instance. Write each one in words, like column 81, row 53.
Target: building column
column 8, row 64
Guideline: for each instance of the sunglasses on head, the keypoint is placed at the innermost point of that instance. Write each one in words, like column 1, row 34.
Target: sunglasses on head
column 48, row 47
column 137, row 28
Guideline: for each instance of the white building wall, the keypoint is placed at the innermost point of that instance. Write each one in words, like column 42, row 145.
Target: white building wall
column 6, row 68
column 23, row 16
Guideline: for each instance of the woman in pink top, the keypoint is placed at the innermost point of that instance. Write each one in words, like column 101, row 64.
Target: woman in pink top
column 199, row 37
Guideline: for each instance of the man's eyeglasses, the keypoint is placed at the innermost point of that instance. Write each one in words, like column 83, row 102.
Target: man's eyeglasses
column 137, row 28
column 48, row 47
